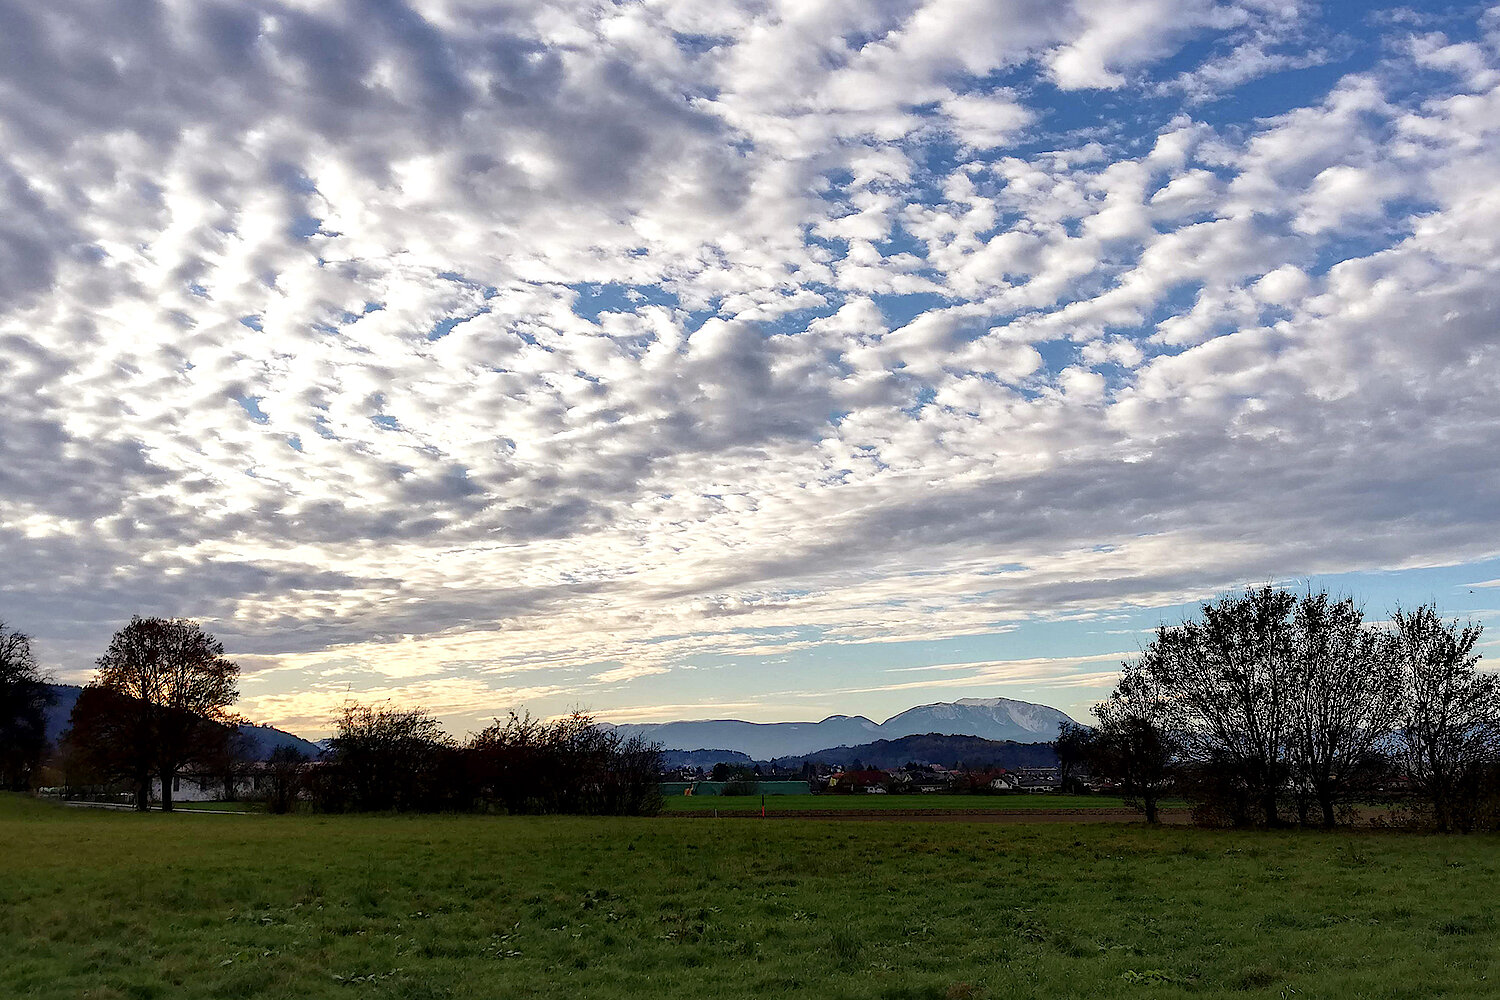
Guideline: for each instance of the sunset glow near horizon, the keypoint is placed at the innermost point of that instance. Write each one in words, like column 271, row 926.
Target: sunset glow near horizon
column 752, row 359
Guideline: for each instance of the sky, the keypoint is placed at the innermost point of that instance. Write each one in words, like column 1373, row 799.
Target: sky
column 769, row 360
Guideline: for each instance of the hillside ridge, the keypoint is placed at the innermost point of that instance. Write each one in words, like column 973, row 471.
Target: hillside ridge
column 997, row 719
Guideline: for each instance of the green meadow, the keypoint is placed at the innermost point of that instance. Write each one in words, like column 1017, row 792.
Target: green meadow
column 117, row 905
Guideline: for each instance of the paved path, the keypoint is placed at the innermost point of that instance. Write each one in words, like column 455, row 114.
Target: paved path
column 122, row 807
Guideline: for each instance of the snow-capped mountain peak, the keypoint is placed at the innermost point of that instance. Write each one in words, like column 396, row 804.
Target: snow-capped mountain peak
column 989, row 718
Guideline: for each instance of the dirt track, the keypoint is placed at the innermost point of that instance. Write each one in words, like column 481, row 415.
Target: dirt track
column 950, row 815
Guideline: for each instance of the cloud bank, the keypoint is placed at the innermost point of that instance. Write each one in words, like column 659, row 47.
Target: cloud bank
column 498, row 353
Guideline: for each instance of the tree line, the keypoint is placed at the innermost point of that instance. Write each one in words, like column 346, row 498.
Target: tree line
column 387, row 759
column 1272, row 708
column 160, row 701
column 1268, row 708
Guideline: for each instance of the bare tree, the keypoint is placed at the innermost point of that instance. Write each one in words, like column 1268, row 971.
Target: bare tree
column 1451, row 723
column 1346, row 700
column 1133, row 744
column 24, row 698
column 1230, row 678
column 633, row 785
column 286, row 768
column 176, row 680
column 1071, row 747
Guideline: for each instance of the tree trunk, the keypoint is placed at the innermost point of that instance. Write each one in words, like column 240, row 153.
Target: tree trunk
column 142, row 792
column 166, row 790
column 1268, row 805
column 1439, row 795
column 1325, row 800
column 1149, row 802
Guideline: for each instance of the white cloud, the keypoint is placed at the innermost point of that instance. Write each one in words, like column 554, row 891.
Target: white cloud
column 986, row 121
column 1117, row 36
column 534, row 352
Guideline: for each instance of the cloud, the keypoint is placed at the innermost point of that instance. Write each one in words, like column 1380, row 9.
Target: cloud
column 1113, row 37
column 481, row 354
column 986, row 121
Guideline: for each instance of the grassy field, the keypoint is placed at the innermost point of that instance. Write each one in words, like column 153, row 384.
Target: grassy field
column 802, row 803
column 115, row 905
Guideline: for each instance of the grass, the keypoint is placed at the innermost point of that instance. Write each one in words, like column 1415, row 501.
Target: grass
column 936, row 802
column 118, row 905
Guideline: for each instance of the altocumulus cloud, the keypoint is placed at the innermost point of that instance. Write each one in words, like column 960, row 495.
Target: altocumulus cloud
column 481, row 353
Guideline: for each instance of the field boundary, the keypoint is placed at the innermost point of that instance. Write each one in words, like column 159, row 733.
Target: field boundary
column 978, row 815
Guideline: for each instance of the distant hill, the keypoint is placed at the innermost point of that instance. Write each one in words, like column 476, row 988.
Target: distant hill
column 760, row 740
column 992, row 718
column 705, row 759
column 263, row 739
column 998, row 719
column 64, row 697
column 269, row 738
column 930, row 748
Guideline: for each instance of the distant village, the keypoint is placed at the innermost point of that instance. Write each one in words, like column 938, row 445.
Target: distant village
column 253, row 780
column 909, row 779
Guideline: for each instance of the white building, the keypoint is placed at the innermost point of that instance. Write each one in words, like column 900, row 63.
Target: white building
column 190, row 786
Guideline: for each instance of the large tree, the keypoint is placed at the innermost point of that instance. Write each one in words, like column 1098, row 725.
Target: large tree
column 1229, row 678
column 1133, row 743
column 176, row 686
column 1345, row 701
column 109, row 741
column 24, row 697
column 1451, row 718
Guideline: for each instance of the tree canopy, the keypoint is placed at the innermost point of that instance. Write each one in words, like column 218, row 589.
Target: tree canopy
column 24, row 697
column 1270, row 699
column 169, row 687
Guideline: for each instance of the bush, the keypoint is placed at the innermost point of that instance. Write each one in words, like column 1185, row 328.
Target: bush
column 385, row 759
column 286, row 769
column 572, row 765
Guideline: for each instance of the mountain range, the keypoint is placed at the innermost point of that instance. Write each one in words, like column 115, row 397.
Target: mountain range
column 929, row 748
column 998, row 719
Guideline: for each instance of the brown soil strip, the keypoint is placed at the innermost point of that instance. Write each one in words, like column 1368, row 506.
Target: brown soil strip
column 951, row 815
